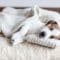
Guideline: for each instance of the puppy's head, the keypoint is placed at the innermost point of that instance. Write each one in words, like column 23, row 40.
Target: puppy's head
column 50, row 31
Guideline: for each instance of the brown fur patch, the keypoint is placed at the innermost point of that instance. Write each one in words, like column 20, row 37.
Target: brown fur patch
column 52, row 24
column 1, row 34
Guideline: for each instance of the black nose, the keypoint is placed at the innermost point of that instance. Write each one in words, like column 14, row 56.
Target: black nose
column 42, row 34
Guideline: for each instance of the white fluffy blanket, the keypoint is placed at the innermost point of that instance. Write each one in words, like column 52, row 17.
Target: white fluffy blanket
column 27, row 51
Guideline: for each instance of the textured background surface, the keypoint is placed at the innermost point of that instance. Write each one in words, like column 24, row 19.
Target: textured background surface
column 28, row 3
column 27, row 51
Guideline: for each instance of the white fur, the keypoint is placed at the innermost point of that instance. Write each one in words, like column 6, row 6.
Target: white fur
column 11, row 19
column 32, row 38
column 31, row 25
column 34, row 25
column 49, row 33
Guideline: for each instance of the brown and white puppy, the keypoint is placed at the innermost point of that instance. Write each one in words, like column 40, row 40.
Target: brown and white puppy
column 33, row 23
column 47, row 36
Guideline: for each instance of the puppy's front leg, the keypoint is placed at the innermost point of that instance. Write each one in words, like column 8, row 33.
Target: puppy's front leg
column 18, row 37
column 35, row 39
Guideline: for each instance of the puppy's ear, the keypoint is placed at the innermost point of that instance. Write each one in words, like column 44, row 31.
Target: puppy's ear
column 51, row 22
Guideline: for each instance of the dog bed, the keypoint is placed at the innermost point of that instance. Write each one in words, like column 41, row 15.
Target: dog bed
column 26, row 51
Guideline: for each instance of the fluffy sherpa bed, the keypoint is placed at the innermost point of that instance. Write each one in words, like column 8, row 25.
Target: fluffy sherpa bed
column 26, row 51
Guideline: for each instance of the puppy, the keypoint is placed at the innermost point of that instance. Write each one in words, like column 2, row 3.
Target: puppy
column 47, row 35
column 31, row 25
column 34, row 24
column 45, row 38
column 50, row 33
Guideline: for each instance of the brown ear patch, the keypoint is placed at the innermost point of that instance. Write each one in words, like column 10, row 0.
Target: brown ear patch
column 1, row 34
column 52, row 24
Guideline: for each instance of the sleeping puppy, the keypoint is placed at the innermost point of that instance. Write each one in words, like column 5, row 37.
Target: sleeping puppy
column 31, row 25
column 34, row 24
column 47, row 35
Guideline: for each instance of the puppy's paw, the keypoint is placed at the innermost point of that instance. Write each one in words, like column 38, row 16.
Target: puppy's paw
column 16, row 39
column 50, row 43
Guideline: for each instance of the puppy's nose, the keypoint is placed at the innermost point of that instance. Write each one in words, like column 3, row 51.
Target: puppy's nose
column 42, row 34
